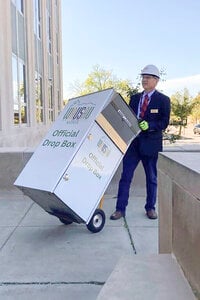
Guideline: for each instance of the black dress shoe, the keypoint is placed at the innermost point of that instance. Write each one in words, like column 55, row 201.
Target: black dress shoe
column 151, row 214
column 117, row 215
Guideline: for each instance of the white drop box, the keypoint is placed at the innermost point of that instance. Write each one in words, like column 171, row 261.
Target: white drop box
column 70, row 170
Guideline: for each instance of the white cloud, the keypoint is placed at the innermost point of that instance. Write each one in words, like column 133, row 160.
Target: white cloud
column 171, row 86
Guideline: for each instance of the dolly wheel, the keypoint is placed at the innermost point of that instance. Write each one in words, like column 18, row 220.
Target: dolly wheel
column 97, row 221
column 65, row 221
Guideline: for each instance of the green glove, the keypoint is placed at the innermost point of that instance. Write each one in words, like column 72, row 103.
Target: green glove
column 143, row 125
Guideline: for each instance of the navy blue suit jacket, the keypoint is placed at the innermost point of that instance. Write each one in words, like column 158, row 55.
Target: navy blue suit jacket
column 157, row 115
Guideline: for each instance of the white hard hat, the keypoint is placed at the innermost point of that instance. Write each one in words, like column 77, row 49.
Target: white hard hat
column 151, row 70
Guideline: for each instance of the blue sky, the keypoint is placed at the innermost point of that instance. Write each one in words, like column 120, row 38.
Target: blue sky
column 125, row 35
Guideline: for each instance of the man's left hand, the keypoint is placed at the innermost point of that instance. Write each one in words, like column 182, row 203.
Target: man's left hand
column 143, row 125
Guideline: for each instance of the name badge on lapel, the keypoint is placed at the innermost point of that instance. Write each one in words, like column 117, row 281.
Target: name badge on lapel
column 154, row 111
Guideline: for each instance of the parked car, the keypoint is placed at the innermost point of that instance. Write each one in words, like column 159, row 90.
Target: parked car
column 196, row 129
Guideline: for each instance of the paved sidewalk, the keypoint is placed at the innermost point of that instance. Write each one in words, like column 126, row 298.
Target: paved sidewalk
column 40, row 258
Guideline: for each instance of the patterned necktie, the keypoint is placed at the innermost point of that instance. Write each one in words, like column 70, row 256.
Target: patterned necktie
column 144, row 106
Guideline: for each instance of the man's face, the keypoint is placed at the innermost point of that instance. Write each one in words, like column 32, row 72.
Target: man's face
column 149, row 82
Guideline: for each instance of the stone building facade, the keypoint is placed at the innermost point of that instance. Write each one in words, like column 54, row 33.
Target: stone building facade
column 31, row 70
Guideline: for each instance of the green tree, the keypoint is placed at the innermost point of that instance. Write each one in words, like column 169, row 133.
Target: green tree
column 181, row 108
column 196, row 109
column 100, row 79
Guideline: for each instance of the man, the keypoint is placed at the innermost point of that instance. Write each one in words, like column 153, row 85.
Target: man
column 153, row 111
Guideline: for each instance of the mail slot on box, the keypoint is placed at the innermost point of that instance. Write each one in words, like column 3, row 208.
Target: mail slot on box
column 119, row 117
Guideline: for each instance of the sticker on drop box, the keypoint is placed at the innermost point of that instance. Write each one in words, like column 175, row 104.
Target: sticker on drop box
column 103, row 147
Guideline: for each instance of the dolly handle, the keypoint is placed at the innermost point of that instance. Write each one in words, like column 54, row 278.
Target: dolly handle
column 101, row 202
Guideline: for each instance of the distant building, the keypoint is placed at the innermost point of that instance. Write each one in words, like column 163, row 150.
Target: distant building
column 30, row 70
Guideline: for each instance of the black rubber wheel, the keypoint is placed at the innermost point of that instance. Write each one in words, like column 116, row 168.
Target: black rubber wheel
column 65, row 221
column 97, row 221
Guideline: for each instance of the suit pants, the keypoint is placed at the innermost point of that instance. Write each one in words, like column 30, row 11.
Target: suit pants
column 130, row 162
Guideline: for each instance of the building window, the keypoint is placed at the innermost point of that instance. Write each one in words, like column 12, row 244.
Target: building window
column 19, row 5
column 37, row 18
column 50, row 102
column 39, row 105
column 59, row 106
column 39, row 98
column 19, row 91
column 18, row 63
column 49, row 39
column 50, row 60
column 48, row 29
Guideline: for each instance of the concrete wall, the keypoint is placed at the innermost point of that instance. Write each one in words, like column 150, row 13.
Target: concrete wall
column 12, row 161
column 179, row 211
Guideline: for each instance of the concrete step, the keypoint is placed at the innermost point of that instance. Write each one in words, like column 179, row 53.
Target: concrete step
column 139, row 277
